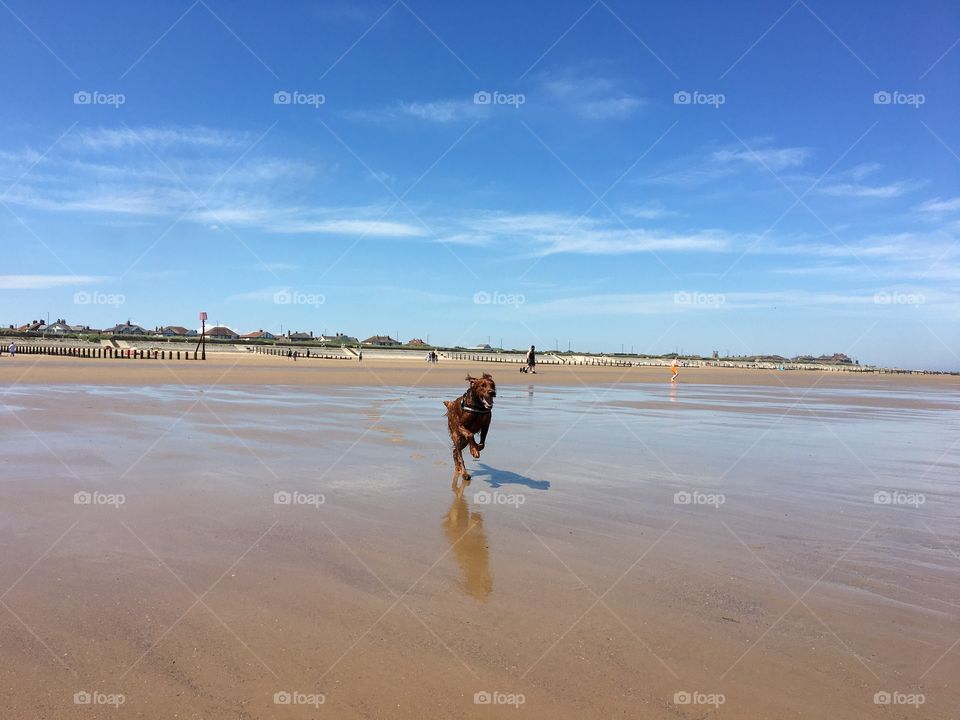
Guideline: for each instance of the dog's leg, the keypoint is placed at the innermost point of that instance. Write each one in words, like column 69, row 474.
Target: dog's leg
column 470, row 440
column 483, row 438
column 458, row 464
column 463, row 468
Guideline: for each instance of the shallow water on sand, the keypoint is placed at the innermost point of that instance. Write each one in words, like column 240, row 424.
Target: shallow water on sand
column 697, row 514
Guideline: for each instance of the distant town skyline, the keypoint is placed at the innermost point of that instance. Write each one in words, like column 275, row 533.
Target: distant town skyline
column 756, row 178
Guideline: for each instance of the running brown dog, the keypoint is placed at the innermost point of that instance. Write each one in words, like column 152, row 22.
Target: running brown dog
column 468, row 415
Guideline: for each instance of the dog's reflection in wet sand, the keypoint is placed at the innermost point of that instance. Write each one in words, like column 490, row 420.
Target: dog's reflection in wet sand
column 468, row 539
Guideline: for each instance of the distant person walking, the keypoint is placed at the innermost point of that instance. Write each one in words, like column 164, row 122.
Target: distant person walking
column 531, row 366
column 675, row 367
column 360, row 356
column 12, row 349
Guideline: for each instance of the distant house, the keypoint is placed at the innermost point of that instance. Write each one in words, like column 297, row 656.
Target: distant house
column 176, row 331
column 484, row 346
column 84, row 329
column 127, row 328
column 31, row 326
column 259, row 335
column 416, row 342
column 222, row 332
column 302, row 336
column 340, row 339
column 59, row 327
column 382, row 340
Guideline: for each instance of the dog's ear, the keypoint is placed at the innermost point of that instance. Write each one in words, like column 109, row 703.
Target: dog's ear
column 471, row 379
column 488, row 376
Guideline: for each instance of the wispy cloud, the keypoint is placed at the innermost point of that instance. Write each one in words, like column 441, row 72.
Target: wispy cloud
column 440, row 111
column 554, row 233
column 109, row 174
column 648, row 211
column 712, row 166
column 938, row 206
column 590, row 96
column 858, row 190
column 118, row 138
column 45, row 282
column 850, row 183
column 775, row 159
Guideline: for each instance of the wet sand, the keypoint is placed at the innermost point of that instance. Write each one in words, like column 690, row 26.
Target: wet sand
column 569, row 571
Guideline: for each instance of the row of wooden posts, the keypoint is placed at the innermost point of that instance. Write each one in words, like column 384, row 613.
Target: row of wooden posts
column 287, row 352
column 108, row 352
column 522, row 361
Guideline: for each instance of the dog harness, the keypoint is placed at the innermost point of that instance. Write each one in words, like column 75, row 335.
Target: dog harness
column 464, row 406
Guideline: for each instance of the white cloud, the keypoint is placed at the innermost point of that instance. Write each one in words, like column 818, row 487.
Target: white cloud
column 436, row 111
column 441, row 111
column 592, row 97
column 373, row 228
column 554, row 233
column 891, row 190
column 118, row 138
column 44, row 282
column 771, row 158
column 938, row 206
column 648, row 211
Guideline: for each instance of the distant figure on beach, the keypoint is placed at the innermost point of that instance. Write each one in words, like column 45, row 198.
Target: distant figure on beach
column 531, row 366
column 675, row 367
column 360, row 356
column 12, row 349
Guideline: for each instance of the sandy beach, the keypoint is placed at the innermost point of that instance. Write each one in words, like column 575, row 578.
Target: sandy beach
column 234, row 368
column 213, row 540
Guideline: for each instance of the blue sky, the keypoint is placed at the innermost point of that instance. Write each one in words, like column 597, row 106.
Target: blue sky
column 779, row 177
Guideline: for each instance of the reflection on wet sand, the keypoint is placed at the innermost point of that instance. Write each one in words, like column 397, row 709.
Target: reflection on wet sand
column 468, row 540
